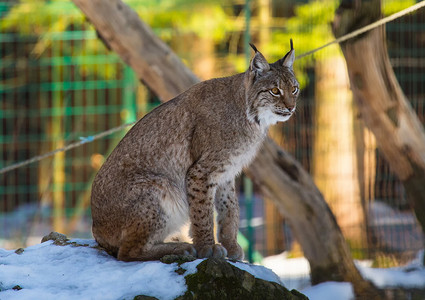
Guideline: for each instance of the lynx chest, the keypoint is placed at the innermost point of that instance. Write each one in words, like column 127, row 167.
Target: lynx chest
column 238, row 159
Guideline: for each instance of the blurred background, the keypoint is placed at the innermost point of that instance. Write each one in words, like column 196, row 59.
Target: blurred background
column 60, row 84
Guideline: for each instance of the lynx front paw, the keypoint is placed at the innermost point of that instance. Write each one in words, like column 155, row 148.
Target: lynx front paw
column 215, row 251
column 235, row 252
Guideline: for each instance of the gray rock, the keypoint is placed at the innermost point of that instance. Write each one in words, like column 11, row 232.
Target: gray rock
column 57, row 238
column 218, row 279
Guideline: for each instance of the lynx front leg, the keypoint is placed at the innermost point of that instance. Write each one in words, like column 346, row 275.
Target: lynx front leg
column 201, row 192
column 227, row 207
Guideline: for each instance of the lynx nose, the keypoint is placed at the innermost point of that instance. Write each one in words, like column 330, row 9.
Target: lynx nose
column 291, row 108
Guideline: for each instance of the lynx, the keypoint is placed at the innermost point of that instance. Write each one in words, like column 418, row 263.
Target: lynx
column 179, row 162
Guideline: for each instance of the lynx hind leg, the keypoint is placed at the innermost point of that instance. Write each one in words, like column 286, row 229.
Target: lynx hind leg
column 143, row 236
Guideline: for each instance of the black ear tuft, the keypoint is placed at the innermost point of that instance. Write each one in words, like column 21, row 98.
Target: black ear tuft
column 259, row 64
column 289, row 58
column 253, row 47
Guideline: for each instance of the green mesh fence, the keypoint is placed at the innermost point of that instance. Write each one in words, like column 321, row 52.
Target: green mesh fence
column 56, row 88
column 59, row 84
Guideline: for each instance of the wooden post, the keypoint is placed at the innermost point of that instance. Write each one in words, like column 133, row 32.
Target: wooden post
column 57, row 134
column 58, row 171
column 366, row 170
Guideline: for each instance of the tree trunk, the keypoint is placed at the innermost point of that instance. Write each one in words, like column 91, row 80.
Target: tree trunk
column 285, row 182
column 381, row 102
column 334, row 156
column 281, row 178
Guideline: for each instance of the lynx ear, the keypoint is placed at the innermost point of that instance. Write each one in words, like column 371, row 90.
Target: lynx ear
column 258, row 63
column 289, row 58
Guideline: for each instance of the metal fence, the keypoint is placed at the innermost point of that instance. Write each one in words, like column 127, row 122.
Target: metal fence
column 71, row 89
column 62, row 86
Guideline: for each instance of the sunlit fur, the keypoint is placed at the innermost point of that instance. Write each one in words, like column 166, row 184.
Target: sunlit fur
column 178, row 163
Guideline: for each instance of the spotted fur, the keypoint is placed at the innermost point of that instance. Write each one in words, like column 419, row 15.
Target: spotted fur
column 179, row 162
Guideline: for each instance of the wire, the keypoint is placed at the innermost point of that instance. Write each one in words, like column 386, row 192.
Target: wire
column 83, row 140
column 366, row 28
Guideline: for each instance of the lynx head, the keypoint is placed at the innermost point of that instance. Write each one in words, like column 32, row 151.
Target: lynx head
column 272, row 89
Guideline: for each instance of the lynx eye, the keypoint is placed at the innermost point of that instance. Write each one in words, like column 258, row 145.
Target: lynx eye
column 275, row 92
column 295, row 90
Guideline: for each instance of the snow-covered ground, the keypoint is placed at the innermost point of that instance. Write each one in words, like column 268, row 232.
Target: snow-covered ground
column 45, row 271
column 295, row 274
column 48, row 272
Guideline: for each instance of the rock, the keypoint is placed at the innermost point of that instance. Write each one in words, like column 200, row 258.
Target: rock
column 218, row 279
column 58, row 239
column 19, row 251
column 141, row 297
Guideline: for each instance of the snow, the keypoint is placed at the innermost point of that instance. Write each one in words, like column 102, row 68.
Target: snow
column 337, row 290
column 47, row 271
column 295, row 274
column 68, row 272
column 410, row 276
column 258, row 271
